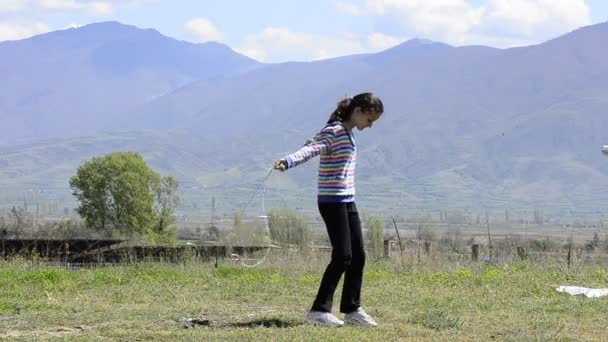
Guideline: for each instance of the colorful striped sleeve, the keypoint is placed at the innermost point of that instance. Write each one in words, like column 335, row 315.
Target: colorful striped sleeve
column 321, row 143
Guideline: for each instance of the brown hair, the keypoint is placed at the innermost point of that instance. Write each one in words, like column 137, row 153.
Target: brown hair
column 365, row 101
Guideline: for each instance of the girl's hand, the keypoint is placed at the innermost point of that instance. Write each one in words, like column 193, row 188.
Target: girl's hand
column 280, row 165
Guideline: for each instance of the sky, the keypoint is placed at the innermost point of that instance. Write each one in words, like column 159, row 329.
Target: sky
column 296, row 30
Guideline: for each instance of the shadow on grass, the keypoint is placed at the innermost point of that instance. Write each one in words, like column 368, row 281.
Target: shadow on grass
column 194, row 322
column 265, row 323
column 256, row 323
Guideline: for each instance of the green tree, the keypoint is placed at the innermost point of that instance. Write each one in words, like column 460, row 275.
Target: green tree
column 116, row 193
column 289, row 227
column 237, row 219
column 165, row 193
column 19, row 220
column 426, row 234
column 251, row 232
column 375, row 230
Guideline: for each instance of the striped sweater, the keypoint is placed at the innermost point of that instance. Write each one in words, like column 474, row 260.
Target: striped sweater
column 336, row 145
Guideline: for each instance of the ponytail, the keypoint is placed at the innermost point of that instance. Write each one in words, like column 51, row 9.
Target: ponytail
column 365, row 101
column 342, row 110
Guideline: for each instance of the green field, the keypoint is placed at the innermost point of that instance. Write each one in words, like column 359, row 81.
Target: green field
column 433, row 301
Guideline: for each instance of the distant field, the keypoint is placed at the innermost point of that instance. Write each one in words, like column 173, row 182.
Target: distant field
column 434, row 301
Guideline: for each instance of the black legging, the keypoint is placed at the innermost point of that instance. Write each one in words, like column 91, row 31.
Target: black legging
column 347, row 256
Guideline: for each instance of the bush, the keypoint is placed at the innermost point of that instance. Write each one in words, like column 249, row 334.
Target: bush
column 289, row 227
column 544, row 245
column 375, row 232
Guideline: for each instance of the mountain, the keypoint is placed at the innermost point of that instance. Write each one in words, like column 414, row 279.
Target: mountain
column 77, row 81
column 470, row 128
column 440, row 100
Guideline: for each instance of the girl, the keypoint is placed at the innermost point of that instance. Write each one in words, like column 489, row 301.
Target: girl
column 336, row 200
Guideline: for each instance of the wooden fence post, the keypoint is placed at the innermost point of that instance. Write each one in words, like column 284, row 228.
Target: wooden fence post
column 475, row 252
column 386, row 252
column 521, row 253
column 66, row 247
column 427, row 248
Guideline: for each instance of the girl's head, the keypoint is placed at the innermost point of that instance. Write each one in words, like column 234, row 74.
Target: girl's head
column 359, row 111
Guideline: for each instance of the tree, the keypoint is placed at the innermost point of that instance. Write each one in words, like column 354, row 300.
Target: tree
column 426, row 234
column 252, row 232
column 539, row 217
column 237, row 219
column 213, row 234
column 116, row 193
column 375, row 231
column 166, row 200
column 289, row 227
column 18, row 221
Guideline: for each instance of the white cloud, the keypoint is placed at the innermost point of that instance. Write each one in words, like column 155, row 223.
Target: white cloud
column 538, row 17
column 135, row 2
column 380, row 41
column 17, row 16
column 347, row 8
column 100, row 8
column 502, row 22
column 72, row 25
column 274, row 44
column 280, row 44
column 9, row 6
column 203, row 30
column 445, row 20
column 94, row 7
column 40, row 7
column 15, row 31
column 252, row 52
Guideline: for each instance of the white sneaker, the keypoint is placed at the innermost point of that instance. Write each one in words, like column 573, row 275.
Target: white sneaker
column 360, row 318
column 323, row 318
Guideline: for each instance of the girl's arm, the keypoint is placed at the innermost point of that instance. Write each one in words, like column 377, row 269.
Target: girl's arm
column 320, row 144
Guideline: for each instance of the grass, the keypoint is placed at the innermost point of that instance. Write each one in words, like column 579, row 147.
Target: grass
column 431, row 302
